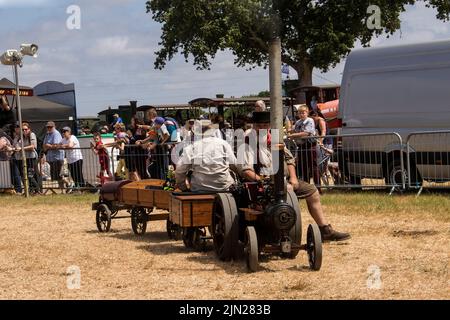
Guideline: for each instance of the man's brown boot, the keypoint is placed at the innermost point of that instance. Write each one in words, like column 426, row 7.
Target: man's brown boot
column 328, row 234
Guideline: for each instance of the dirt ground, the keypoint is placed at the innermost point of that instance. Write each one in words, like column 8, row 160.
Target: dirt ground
column 399, row 250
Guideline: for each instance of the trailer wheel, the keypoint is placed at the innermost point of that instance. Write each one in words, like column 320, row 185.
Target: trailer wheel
column 296, row 232
column 188, row 237
column 251, row 249
column 198, row 241
column 139, row 220
column 314, row 247
column 173, row 231
column 103, row 218
column 225, row 226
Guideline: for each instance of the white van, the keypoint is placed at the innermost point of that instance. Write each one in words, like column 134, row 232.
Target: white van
column 401, row 89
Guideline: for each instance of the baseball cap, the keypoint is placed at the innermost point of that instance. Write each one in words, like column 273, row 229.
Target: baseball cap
column 159, row 120
column 66, row 129
column 50, row 124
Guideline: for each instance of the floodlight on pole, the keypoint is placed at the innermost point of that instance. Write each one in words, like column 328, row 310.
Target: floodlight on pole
column 14, row 58
column 29, row 50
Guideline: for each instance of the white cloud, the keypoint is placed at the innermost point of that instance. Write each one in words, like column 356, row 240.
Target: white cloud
column 24, row 3
column 116, row 46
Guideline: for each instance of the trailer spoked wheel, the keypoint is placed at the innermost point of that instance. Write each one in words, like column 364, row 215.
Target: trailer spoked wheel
column 198, row 240
column 173, row 231
column 225, row 226
column 188, row 237
column 103, row 218
column 296, row 232
column 139, row 220
column 314, row 247
column 251, row 249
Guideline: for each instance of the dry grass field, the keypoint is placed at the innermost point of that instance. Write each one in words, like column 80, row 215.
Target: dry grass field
column 406, row 239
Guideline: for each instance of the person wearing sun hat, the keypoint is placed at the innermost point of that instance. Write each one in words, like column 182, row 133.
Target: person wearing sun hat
column 117, row 119
column 209, row 159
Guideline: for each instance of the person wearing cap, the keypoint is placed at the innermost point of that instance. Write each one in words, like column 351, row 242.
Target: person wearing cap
column 71, row 146
column 116, row 119
column 162, row 133
column 209, row 159
column 258, row 163
column 54, row 153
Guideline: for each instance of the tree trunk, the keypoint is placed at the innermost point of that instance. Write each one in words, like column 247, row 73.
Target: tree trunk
column 304, row 71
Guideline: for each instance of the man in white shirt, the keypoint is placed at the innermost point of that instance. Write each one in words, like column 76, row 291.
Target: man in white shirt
column 74, row 157
column 209, row 160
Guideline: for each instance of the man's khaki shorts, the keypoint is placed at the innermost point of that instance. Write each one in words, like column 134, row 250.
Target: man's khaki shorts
column 305, row 190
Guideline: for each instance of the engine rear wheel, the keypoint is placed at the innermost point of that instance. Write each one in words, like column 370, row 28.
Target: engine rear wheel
column 225, row 226
column 314, row 247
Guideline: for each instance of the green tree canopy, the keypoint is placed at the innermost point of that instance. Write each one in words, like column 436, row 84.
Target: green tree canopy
column 314, row 34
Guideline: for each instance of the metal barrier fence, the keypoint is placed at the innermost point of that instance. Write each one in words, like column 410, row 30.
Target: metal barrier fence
column 359, row 161
column 428, row 160
column 367, row 161
column 86, row 171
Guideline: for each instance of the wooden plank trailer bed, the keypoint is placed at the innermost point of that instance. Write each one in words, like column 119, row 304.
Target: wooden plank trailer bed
column 188, row 215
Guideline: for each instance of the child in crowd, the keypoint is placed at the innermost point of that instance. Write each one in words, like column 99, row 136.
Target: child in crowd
column 120, row 140
column 100, row 149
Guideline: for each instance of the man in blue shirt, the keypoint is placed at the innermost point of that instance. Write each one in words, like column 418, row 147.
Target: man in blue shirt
column 54, row 153
column 117, row 119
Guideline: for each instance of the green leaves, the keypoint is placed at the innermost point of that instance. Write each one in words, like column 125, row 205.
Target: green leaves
column 313, row 33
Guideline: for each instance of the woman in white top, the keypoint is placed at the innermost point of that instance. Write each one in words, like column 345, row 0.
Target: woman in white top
column 74, row 157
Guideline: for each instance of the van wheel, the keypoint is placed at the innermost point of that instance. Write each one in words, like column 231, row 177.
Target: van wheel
column 394, row 173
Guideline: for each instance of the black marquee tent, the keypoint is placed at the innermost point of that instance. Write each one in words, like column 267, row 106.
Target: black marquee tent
column 38, row 111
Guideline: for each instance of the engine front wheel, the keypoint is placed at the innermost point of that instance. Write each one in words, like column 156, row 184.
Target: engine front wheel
column 251, row 249
column 314, row 247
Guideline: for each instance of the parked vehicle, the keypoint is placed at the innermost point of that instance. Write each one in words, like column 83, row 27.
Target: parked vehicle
column 401, row 89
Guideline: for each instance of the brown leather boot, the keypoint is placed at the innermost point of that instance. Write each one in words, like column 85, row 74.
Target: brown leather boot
column 328, row 234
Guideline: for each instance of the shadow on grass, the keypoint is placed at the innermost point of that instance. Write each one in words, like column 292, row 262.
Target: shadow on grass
column 149, row 236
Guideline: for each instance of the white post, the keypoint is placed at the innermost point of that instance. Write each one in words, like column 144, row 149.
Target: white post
column 19, row 110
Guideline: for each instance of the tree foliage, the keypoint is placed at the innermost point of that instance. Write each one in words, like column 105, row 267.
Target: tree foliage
column 314, row 34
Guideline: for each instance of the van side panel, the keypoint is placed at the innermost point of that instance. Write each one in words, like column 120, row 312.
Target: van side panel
column 401, row 89
column 416, row 98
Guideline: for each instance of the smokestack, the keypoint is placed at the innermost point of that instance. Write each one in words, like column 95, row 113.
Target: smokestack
column 133, row 105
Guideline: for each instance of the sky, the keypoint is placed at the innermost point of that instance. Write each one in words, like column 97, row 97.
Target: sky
column 110, row 58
